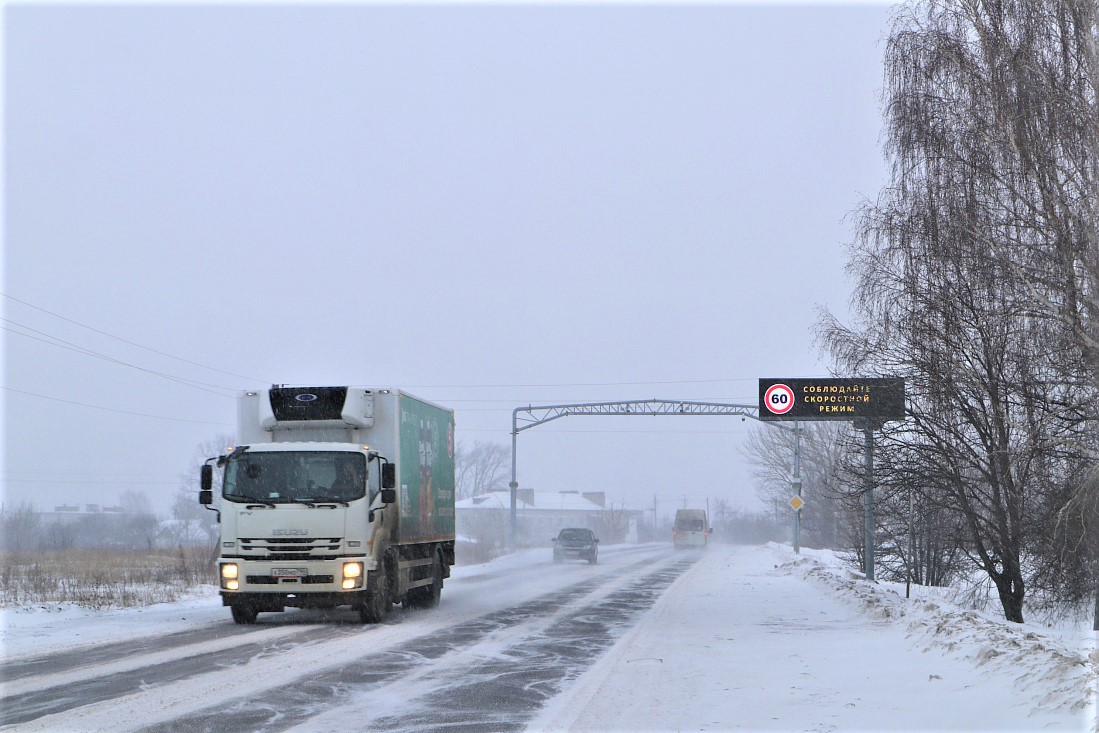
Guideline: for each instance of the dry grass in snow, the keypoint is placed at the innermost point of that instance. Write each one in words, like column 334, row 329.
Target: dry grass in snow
column 99, row 579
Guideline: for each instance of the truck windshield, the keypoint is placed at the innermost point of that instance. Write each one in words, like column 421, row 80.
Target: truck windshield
column 295, row 476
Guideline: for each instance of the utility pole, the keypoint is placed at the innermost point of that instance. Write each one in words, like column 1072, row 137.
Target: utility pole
column 654, row 518
column 513, row 486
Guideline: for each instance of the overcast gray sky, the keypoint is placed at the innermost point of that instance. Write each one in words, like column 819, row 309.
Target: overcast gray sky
column 486, row 205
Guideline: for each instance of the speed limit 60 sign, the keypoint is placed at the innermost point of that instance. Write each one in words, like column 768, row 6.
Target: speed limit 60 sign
column 778, row 399
column 875, row 398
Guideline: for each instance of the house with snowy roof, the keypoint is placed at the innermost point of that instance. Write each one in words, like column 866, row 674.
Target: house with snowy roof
column 539, row 515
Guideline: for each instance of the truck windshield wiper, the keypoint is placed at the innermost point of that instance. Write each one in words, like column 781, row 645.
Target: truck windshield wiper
column 251, row 500
column 308, row 502
column 330, row 500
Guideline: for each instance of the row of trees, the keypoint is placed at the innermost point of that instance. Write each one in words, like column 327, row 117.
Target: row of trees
column 23, row 528
column 976, row 274
column 914, row 539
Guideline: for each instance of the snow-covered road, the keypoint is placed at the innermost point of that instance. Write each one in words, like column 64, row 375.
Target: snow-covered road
column 509, row 635
column 648, row 640
column 755, row 638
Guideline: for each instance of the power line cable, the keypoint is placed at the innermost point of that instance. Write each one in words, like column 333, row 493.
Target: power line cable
column 133, row 343
column 527, row 402
column 62, row 344
column 505, row 431
column 86, row 474
column 111, row 409
column 85, row 482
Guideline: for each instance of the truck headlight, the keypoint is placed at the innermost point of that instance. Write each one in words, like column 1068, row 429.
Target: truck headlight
column 352, row 575
column 229, row 576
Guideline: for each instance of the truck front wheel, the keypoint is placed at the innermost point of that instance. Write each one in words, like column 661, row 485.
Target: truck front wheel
column 244, row 613
column 377, row 603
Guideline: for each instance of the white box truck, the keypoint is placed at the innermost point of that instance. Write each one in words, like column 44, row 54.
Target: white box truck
column 335, row 496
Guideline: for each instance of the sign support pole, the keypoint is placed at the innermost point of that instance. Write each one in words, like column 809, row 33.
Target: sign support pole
column 797, row 486
column 911, row 544
column 868, row 498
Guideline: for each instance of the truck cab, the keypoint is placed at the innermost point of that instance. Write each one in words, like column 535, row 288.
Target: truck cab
column 310, row 512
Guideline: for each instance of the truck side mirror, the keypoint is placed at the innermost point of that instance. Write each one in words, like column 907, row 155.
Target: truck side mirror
column 206, row 482
column 389, row 477
column 389, row 496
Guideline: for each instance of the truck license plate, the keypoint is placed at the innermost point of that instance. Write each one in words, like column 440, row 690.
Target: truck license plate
column 288, row 572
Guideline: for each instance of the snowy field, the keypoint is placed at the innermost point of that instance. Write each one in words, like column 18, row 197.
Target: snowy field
column 749, row 638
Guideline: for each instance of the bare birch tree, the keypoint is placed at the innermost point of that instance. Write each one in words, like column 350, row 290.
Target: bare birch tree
column 977, row 272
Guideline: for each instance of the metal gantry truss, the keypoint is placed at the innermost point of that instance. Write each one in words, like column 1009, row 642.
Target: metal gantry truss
column 538, row 415
column 533, row 416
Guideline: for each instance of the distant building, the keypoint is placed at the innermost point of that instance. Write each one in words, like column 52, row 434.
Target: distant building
column 539, row 515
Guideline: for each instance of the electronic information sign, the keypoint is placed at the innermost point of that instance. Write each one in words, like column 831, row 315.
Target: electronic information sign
column 876, row 399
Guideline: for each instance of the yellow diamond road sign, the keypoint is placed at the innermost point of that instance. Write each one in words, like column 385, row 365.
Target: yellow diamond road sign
column 797, row 503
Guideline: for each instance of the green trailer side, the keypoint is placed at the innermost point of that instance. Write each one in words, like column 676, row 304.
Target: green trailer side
column 425, row 471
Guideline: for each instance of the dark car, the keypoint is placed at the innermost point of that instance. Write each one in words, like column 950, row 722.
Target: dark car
column 576, row 542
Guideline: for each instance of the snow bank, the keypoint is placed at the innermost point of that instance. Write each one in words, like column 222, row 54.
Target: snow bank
column 1053, row 674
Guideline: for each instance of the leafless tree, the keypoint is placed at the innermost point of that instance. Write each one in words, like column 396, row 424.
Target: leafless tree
column 612, row 523
column 977, row 272
column 771, row 450
column 191, row 518
column 139, row 524
column 480, row 468
column 722, row 514
column 20, row 526
column 918, row 537
column 734, row 525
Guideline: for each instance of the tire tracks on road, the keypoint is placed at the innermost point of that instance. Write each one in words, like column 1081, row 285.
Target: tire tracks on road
column 193, row 671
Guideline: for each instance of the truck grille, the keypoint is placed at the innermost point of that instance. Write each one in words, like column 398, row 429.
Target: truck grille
column 290, row 548
column 306, row 580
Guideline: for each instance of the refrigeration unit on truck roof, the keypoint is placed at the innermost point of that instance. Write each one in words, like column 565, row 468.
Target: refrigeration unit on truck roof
column 298, row 413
